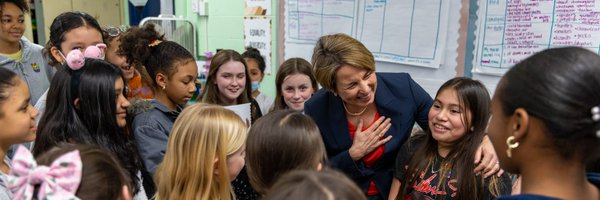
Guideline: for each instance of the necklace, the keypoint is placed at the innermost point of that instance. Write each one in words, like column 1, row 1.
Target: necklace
column 354, row 114
column 434, row 162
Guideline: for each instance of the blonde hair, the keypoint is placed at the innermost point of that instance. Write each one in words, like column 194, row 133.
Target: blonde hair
column 201, row 133
column 333, row 51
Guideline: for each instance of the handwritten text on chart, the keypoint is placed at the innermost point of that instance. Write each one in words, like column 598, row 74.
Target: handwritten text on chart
column 511, row 30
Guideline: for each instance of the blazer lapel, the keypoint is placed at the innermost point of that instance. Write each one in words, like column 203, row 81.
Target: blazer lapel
column 339, row 123
column 388, row 106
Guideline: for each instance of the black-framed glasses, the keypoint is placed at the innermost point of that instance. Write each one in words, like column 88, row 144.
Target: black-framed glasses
column 115, row 31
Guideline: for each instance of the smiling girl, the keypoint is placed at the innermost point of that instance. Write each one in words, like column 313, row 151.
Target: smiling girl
column 17, row 119
column 295, row 84
column 228, row 82
column 17, row 53
column 432, row 165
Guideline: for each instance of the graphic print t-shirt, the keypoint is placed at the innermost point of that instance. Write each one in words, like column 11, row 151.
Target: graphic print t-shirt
column 427, row 185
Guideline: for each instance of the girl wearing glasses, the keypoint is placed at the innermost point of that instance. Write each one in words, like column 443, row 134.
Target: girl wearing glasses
column 137, row 88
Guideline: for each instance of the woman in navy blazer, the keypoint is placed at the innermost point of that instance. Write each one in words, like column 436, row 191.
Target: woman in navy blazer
column 365, row 117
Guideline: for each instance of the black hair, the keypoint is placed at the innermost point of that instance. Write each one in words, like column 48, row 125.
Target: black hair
column 473, row 98
column 21, row 4
column 559, row 87
column 94, row 121
column 147, row 50
column 62, row 24
column 253, row 53
column 8, row 80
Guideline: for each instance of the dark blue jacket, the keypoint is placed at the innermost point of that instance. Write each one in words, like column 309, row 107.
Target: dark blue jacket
column 397, row 97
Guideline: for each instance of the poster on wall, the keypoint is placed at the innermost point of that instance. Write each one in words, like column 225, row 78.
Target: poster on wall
column 258, row 7
column 510, row 31
column 394, row 31
column 257, row 34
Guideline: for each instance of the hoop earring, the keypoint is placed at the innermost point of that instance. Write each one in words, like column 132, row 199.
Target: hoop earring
column 511, row 145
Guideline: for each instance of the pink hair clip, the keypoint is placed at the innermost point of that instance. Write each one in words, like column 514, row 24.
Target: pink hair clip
column 76, row 59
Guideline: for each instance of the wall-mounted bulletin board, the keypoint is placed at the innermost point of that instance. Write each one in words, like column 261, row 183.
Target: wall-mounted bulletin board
column 418, row 37
column 435, row 40
column 395, row 31
column 506, row 31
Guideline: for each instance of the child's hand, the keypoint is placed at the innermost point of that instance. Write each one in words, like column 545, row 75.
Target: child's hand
column 487, row 160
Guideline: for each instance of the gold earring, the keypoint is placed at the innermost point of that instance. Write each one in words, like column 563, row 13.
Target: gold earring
column 511, row 145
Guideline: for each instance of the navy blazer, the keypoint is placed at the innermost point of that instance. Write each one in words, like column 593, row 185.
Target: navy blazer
column 397, row 97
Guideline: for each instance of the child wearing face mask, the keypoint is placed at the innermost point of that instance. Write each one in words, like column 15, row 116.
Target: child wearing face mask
column 20, row 55
column 228, row 83
column 256, row 67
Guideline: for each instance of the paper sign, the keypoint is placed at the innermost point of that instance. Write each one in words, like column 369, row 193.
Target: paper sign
column 242, row 110
column 257, row 34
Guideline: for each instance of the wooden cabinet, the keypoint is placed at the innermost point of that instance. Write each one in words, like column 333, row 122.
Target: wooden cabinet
column 107, row 12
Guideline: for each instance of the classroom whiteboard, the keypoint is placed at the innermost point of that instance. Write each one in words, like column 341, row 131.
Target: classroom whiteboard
column 511, row 30
column 401, row 31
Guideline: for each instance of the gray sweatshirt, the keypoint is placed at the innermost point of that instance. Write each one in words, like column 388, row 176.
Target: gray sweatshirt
column 32, row 68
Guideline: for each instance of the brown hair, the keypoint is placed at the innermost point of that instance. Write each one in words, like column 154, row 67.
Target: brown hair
column 290, row 67
column 310, row 184
column 474, row 100
column 279, row 142
column 102, row 177
column 210, row 93
column 333, row 51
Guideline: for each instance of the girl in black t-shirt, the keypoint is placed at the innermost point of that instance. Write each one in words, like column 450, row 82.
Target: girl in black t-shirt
column 439, row 164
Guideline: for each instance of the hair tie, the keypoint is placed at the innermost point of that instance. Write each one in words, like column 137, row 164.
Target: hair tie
column 154, row 42
column 596, row 117
column 595, row 113
column 60, row 180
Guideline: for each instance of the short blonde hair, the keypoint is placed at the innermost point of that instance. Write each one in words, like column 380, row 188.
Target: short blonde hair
column 201, row 133
column 333, row 51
